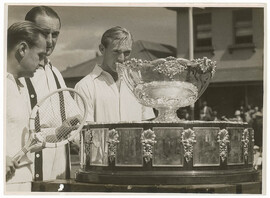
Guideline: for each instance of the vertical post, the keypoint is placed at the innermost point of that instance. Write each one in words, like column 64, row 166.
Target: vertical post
column 81, row 152
column 191, row 48
column 190, row 22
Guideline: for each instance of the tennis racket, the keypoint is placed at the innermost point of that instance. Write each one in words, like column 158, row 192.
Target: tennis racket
column 54, row 121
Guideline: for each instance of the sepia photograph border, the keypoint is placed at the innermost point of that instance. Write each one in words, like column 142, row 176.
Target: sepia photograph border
column 260, row 4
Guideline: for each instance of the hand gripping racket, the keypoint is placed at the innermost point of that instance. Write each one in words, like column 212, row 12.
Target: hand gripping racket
column 54, row 121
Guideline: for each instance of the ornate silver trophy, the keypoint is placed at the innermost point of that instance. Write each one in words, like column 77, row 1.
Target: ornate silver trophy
column 167, row 84
column 167, row 150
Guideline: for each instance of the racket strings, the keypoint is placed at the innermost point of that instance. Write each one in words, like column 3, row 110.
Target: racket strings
column 59, row 116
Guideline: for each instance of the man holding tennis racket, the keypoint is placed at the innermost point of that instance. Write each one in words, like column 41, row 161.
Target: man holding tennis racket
column 49, row 163
column 26, row 49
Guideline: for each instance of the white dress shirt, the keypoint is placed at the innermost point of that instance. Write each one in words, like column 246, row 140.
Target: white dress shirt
column 17, row 133
column 107, row 103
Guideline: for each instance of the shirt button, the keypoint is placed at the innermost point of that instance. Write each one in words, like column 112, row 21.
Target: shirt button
column 37, row 175
column 37, row 155
column 32, row 95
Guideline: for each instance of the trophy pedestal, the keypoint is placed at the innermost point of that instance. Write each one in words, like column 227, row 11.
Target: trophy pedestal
column 186, row 152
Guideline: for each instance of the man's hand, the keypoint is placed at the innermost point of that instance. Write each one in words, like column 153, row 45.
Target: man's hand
column 68, row 126
column 10, row 168
column 72, row 121
column 37, row 147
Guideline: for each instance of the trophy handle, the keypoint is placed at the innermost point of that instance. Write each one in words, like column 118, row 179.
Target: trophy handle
column 124, row 73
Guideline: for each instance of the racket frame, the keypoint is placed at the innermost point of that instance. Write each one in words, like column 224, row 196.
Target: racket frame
column 36, row 108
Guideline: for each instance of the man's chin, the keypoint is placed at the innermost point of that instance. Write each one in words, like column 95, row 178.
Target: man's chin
column 114, row 68
column 49, row 51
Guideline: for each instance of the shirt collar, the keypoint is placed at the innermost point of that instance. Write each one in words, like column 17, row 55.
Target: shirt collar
column 47, row 62
column 10, row 76
column 97, row 71
column 15, row 80
column 19, row 83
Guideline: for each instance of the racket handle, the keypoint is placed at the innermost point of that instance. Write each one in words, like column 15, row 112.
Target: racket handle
column 16, row 158
column 31, row 141
column 24, row 163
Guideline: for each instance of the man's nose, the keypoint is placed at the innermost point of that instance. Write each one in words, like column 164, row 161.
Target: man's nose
column 49, row 40
column 121, row 58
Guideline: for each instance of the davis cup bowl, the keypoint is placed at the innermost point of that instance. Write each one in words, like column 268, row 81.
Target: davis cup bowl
column 167, row 84
column 168, row 152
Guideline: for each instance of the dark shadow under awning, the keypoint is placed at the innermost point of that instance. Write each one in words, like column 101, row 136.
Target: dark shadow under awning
column 238, row 75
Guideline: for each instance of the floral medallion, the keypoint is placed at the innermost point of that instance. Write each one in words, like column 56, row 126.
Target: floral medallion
column 223, row 140
column 112, row 142
column 88, row 140
column 188, row 139
column 148, row 141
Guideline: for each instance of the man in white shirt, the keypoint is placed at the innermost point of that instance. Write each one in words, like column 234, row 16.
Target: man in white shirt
column 108, row 97
column 26, row 48
column 49, row 163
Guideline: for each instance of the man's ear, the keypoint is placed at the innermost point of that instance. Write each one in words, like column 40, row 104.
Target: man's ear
column 21, row 50
column 101, row 48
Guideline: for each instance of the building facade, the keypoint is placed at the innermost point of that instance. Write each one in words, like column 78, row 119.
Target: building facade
column 234, row 38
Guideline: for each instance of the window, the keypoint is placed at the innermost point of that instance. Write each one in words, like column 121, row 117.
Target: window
column 202, row 30
column 243, row 26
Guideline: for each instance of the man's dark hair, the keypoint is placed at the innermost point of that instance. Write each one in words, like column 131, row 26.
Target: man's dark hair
column 41, row 10
column 24, row 31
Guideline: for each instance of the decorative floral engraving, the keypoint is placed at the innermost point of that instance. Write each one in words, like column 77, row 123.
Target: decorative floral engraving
column 148, row 141
column 172, row 66
column 169, row 66
column 112, row 141
column 204, row 64
column 223, row 140
column 88, row 140
column 245, row 141
column 188, row 139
